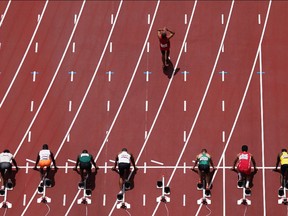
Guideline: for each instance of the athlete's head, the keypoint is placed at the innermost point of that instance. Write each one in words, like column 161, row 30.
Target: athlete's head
column 245, row 148
column 45, row 146
column 163, row 35
column 124, row 149
column 6, row 151
column 284, row 150
column 84, row 151
column 204, row 150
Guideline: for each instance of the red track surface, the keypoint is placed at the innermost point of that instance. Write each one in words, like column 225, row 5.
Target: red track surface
column 222, row 113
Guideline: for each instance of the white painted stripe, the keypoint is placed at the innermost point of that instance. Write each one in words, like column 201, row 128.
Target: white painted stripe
column 223, row 106
column 185, row 47
column 110, row 48
column 157, row 162
column 223, row 76
column 184, row 167
column 66, row 167
column 73, row 47
column 147, row 76
column 184, row 199
column 5, row 12
column 184, row 136
column 64, row 199
column 144, row 199
column 259, row 19
column 224, row 188
column 24, row 199
column 31, row 161
column 104, row 199
column 185, row 19
column 70, row 106
column 29, row 136
column 27, row 167
column 108, row 106
column 146, row 105
column 75, row 18
column 145, row 167
column 109, row 76
column 148, row 19
column 31, row 106
column 105, row 167
column 185, row 107
column 222, row 19
column 222, row 48
column 68, row 138
column 71, row 76
column 148, row 47
column 36, row 47
column 112, row 161
column 112, row 19
column 72, row 161
column 223, row 136
column 145, row 134
column 38, row 17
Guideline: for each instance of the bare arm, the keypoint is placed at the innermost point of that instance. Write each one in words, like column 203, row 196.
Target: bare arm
column 235, row 162
column 53, row 159
column 37, row 161
column 171, row 33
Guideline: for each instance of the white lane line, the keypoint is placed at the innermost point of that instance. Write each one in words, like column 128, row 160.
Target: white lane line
column 146, row 105
column 185, row 19
column 68, row 138
column 144, row 200
column 148, row 46
column 66, row 167
column 108, row 106
column 38, row 17
column 223, row 106
column 185, row 106
column 259, row 19
column 5, row 12
column 104, row 200
column 157, row 162
column 29, row 136
column 36, row 47
column 72, row 161
column 184, row 200
column 24, row 199
column 145, row 167
column 148, row 19
column 64, row 199
column 223, row 137
column 222, row 19
column 24, row 57
column 112, row 19
column 110, row 47
column 185, row 47
column 243, row 99
column 184, row 167
column 31, row 106
column 75, row 18
column 184, row 136
column 70, row 106
column 222, row 48
column 224, row 187
column 73, row 47
column 31, row 161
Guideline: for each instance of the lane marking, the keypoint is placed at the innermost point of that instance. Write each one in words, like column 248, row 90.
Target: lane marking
column 148, row 19
column 112, row 161
column 66, row 167
column 157, row 162
column 64, row 199
column 29, row 136
column 34, row 73
column 185, row 19
column 112, row 19
column 259, row 19
column 110, row 73
column 222, row 19
column 222, row 48
column 104, row 200
column 185, row 75
column 31, row 106
column 31, row 161
column 145, row 167
column 148, row 47
column 24, row 199
column 184, row 200
column 72, row 161
column 185, row 106
column 73, row 47
column 36, row 47
column 110, row 47
column 184, row 167
column 105, row 167
column 5, row 12
column 70, row 106
column 144, row 200
column 72, row 73
column 185, row 47
column 223, row 106
column 68, row 138
column 223, row 136
column 146, row 106
column 184, row 136
column 108, row 105
column 75, row 19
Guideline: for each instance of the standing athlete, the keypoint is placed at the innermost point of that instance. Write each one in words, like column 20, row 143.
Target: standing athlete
column 243, row 162
column 282, row 158
column 124, row 159
column 44, row 159
column 204, row 161
column 6, row 161
column 164, row 40
column 85, row 161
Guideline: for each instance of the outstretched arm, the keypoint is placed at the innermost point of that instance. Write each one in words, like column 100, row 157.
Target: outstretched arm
column 171, row 33
column 77, row 163
column 235, row 162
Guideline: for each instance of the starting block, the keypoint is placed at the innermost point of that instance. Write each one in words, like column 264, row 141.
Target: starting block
column 165, row 191
column 3, row 192
column 42, row 190
column 244, row 200
column 86, row 193
column 121, row 197
column 282, row 196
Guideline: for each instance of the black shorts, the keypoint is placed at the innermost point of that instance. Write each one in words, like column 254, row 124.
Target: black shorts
column 284, row 169
column 85, row 166
column 163, row 52
column 5, row 165
column 122, row 167
column 204, row 168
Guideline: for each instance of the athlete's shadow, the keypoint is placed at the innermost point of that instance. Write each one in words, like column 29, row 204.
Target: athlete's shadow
column 90, row 182
column 51, row 176
column 12, row 177
column 168, row 70
column 131, row 180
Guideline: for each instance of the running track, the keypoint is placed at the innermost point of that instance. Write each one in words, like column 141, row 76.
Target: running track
column 87, row 74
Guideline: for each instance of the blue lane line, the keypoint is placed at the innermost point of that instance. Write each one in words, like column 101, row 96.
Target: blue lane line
column 260, row 72
column 71, row 72
column 185, row 72
column 147, row 72
column 109, row 72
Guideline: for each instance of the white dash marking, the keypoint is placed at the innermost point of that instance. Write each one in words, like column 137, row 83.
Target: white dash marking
column 27, row 167
column 144, row 199
column 259, row 19
column 108, row 106
column 24, row 199
column 112, row 19
column 185, row 19
column 72, row 161
column 185, row 47
column 223, row 106
column 38, row 17
column 70, row 106
column 157, row 162
column 64, row 199
column 66, row 167
column 145, row 134
column 148, row 46
column 223, row 76
column 36, row 47
column 110, row 47
column 185, row 106
column 105, row 167
column 184, row 199
column 31, row 161
column 112, row 161
column 184, row 136
column 72, row 76
column 223, row 136
column 29, row 136
column 145, row 167
column 75, row 18
column 31, row 106
column 146, row 105
column 184, row 167
column 68, row 138
column 148, row 19
column 222, row 19
column 104, row 199
column 222, row 48
column 73, row 47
